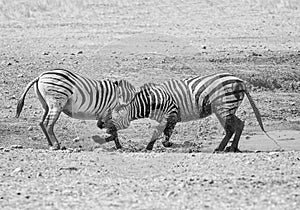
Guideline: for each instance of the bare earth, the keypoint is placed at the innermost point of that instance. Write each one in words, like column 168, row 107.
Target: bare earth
column 151, row 41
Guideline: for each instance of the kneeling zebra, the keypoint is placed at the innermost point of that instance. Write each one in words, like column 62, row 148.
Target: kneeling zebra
column 60, row 90
column 184, row 100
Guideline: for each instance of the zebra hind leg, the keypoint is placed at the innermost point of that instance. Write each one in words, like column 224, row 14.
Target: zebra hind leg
column 51, row 119
column 239, row 126
column 228, row 125
column 42, row 125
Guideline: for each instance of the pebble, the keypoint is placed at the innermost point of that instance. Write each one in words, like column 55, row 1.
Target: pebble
column 18, row 170
column 16, row 146
column 30, row 128
column 39, row 174
column 77, row 139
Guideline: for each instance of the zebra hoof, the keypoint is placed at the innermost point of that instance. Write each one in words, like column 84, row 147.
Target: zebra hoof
column 118, row 146
column 232, row 149
column 149, row 147
column 167, row 143
column 217, row 150
column 55, row 147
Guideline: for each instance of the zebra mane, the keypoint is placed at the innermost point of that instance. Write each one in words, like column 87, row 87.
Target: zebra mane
column 148, row 85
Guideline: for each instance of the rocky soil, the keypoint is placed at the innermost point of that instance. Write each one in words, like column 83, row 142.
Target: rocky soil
column 151, row 41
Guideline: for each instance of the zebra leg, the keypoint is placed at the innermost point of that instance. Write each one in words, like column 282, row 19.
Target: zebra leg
column 171, row 123
column 157, row 133
column 228, row 125
column 46, row 110
column 51, row 119
column 112, row 130
column 239, row 126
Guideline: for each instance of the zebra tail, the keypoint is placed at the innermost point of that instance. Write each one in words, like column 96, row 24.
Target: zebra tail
column 258, row 117
column 21, row 100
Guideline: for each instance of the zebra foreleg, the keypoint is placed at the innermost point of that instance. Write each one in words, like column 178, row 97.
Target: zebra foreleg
column 171, row 123
column 112, row 130
column 157, row 133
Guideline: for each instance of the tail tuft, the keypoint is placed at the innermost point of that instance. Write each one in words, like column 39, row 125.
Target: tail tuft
column 258, row 118
column 20, row 107
column 21, row 100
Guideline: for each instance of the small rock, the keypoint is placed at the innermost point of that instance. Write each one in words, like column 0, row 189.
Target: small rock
column 204, row 47
column 77, row 150
column 247, row 137
column 70, row 150
column 77, row 139
column 34, row 138
column 16, row 146
column 18, row 170
column 6, row 150
column 39, row 174
column 9, row 64
column 30, row 128
column 12, row 97
column 46, row 53
column 80, row 52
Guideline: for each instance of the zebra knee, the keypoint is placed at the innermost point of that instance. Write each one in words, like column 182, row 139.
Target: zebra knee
column 167, row 143
column 100, row 124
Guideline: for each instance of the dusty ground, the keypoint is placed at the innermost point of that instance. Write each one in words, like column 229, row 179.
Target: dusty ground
column 151, row 41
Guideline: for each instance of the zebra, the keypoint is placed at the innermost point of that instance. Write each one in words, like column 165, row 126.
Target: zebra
column 196, row 98
column 153, row 102
column 79, row 97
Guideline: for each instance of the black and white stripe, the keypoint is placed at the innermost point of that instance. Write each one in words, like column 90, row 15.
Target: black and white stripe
column 60, row 90
column 151, row 102
column 199, row 97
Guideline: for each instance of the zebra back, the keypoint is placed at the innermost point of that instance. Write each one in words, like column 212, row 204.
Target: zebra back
column 82, row 97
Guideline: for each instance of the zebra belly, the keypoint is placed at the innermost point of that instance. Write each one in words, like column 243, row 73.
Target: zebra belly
column 81, row 115
column 79, row 112
column 186, row 118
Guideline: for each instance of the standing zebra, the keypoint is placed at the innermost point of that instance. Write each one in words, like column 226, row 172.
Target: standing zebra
column 78, row 97
column 195, row 98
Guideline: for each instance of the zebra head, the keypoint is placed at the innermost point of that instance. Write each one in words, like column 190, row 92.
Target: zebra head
column 120, row 117
column 126, row 91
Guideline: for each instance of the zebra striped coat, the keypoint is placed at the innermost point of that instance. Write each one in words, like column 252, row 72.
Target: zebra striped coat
column 197, row 98
column 60, row 90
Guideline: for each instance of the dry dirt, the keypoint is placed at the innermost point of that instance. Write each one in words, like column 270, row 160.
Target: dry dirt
column 151, row 41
